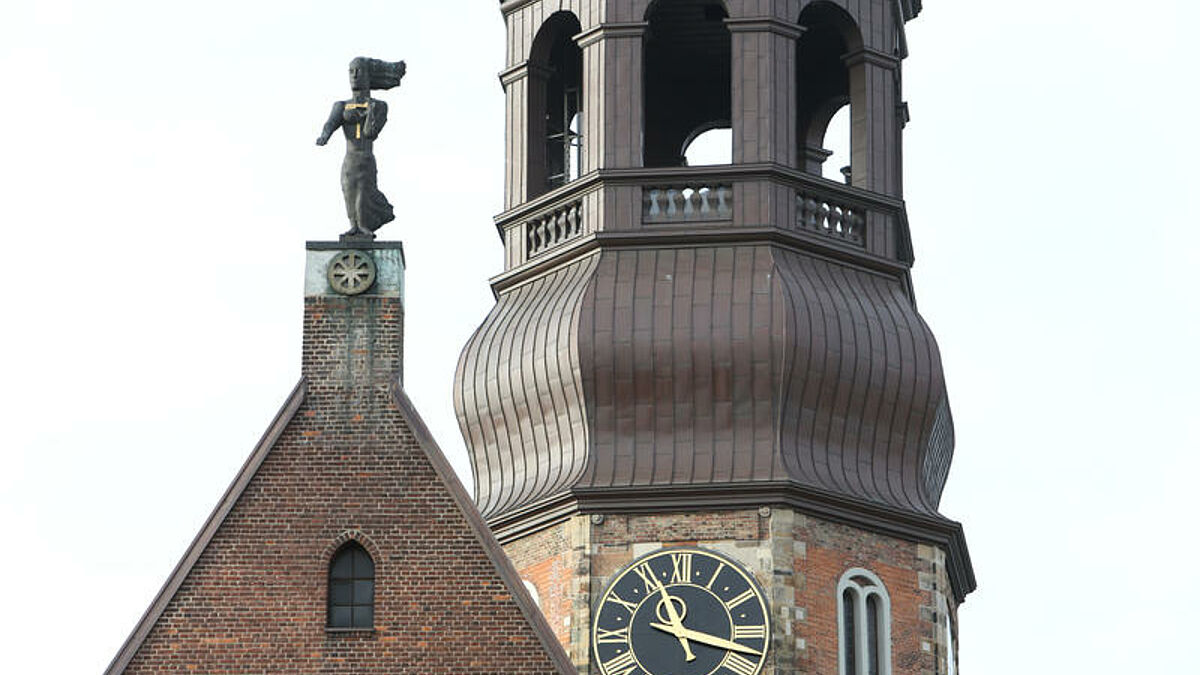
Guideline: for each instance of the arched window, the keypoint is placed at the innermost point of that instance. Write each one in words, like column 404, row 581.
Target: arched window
column 351, row 588
column 825, row 88
column 555, row 105
column 951, row 656
column 688, row 70
column 864, row 625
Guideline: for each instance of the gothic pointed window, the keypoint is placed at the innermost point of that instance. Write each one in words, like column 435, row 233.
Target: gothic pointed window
column 864, row 625
column 351, row 588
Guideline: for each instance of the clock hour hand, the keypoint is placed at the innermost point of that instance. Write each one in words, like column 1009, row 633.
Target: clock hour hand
column 705, row 638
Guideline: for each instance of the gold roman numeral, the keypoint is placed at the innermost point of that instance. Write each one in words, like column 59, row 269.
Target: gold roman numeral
column 619, row 636
column 647, row 574
column 622, row 664
column 720, row 566
column 681, row 568
column 631, row 606
column 746, row 595
column 740, row 664
column 749, row 632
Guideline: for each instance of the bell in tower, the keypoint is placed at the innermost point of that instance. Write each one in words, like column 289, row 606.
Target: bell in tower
column 705, row 419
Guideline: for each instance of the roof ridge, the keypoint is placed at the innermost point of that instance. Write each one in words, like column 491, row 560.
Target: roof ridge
column 244, row 475
column 508, row 573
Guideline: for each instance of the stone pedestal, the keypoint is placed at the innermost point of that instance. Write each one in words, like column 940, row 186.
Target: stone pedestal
column 353, row 316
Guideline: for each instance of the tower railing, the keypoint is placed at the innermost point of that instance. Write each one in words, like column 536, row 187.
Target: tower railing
column 719, row 200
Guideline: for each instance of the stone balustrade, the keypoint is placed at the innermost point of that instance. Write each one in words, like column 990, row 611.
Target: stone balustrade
column 661, row 201
column 688, row 203
column 816, row 213
column 553, row 228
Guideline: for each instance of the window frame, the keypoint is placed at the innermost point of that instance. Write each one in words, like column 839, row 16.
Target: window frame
column 865, row 589
column 358, row 553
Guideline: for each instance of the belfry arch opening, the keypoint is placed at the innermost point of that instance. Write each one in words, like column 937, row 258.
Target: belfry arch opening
column 709, row 146
column 830, row 104
column 555, row 141
column 687, row 77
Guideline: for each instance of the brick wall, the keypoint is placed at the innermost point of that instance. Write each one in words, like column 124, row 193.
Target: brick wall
column 797, row 558
column 347, row 466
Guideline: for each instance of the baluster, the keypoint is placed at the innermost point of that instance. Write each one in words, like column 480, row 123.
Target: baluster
column 810, row 213
column 823, row 216
column 704, row 207
column 573, row 220
column 688, row 199
column 671, row 210
column 722, row 206
column 835, row 220
column 654, row 210
column 856, row 223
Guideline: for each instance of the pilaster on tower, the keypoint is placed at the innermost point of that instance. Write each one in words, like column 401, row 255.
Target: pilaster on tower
column 728, row 355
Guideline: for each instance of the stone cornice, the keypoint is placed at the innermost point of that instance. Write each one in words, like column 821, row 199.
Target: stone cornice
column 937, row 530
column 765, row 24
column 873, row 57
column 521, row 71
column 606, row 31
column 509, row 6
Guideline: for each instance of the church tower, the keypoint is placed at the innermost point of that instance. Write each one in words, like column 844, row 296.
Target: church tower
column 705, row 419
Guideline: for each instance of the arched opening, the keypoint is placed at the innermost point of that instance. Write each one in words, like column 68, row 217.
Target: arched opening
column 864, row 625
column 555, row 143
column 351, row 588
column 687, row 77
column 711, row 146
column 837, row 143
column 826, row 97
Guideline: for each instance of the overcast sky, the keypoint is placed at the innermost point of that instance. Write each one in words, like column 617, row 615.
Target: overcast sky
column 158, row 180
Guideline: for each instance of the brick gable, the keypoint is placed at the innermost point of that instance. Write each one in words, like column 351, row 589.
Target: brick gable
column 348, row 457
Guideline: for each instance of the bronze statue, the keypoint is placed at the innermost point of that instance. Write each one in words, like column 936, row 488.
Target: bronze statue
column 361, row 119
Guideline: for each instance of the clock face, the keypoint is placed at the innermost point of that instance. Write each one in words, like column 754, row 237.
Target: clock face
column 681, row 611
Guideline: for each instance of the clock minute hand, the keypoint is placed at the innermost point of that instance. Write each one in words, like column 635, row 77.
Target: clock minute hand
column 676, row 622
column 713, row 640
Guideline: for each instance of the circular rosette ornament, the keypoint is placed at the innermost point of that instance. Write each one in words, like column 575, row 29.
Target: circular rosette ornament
column 351, row 272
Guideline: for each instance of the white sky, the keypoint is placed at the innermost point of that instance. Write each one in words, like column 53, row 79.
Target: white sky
column 158, row 180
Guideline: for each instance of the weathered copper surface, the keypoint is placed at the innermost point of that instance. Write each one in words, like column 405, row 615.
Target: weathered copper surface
column 702, row 366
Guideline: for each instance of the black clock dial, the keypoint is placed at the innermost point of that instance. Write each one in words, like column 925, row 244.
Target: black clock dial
column 681, row 611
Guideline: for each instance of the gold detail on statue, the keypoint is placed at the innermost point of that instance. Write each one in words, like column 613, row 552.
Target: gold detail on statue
column 358, row 126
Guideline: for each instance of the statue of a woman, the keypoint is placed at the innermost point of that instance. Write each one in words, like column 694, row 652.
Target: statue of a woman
column 361, row 119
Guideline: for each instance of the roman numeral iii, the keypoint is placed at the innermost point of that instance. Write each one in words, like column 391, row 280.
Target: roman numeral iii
column 749, row 632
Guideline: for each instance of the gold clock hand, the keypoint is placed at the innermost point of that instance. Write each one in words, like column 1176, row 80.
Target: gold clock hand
column 713, row 640
column 676, row 622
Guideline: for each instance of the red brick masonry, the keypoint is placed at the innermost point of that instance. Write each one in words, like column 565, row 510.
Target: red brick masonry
column 347, row 458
